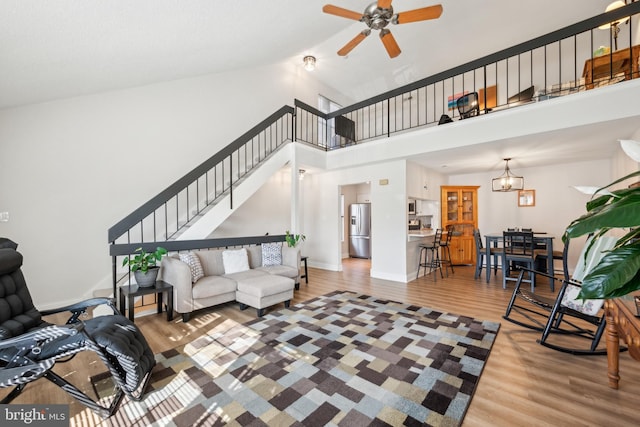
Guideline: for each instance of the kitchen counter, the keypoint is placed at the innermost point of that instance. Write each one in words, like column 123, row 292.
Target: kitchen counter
column 420, row 234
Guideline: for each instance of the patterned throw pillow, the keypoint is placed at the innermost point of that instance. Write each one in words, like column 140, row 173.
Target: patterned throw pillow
column 194, row 264
column 235, row 261
column 271, row 254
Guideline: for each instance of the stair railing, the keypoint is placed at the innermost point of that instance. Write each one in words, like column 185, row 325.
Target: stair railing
column 163, row 217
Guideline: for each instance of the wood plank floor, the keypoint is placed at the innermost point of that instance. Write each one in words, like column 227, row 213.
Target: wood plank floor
column 523, row 383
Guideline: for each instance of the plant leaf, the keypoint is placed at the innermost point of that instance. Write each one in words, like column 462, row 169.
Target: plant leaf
column 625, row 212
column 614, row 272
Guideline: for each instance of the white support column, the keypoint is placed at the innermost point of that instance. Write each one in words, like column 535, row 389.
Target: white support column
column 295, row 197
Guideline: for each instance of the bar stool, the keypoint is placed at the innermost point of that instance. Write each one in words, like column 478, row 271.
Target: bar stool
column 446, row 249
column 430, row 256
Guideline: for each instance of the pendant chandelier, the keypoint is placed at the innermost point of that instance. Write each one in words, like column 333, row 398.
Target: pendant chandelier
column 507, row 181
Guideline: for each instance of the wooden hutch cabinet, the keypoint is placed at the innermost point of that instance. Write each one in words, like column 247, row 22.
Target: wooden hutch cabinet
column 460, row 211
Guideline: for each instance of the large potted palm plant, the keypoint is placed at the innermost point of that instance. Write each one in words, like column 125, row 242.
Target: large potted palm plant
column 617, row 211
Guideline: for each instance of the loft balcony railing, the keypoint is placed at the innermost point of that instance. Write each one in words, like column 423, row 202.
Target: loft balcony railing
column 560, row 63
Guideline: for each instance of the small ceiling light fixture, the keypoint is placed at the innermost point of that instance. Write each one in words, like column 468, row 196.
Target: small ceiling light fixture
column 309, row 62
column 301, row 173
column 615, row 29
column 507, row 181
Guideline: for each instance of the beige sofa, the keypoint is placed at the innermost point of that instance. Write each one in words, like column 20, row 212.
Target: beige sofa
column 260, row 286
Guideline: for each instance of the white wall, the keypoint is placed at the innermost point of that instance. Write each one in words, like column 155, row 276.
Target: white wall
column 556, row 203
column 267, row 211
column 321, row 197
column 70, row 169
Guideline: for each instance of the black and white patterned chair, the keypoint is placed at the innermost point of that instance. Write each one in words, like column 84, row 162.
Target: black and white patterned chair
column 30, row 347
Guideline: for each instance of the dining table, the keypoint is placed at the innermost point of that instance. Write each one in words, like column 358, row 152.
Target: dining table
column 493, row 240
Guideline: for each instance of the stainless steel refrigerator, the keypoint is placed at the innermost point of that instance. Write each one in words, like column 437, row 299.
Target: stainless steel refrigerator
column 360, row 230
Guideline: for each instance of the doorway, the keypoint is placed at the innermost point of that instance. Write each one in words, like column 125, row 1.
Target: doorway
column 354, row 194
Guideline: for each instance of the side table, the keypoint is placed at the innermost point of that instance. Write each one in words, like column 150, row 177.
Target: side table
column 305, row 276
column 621, row 323
column 159, row 288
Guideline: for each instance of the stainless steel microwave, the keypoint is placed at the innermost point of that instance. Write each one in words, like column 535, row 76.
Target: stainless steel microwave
column 412, row 207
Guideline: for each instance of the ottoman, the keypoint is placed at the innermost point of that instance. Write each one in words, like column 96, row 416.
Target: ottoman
column 264, row 291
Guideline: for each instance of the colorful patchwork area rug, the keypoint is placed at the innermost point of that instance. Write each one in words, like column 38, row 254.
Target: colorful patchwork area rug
column 341, row 359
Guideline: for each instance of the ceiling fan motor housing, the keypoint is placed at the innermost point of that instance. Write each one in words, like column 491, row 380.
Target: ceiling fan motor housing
column 377, row 18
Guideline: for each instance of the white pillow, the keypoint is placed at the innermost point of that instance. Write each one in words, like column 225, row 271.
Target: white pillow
column 194, row 264
column 271, row 254
column 235, row 261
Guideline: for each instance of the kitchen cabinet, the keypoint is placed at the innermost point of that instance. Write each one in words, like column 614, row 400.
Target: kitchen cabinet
column 460, row 213
column 423, row 183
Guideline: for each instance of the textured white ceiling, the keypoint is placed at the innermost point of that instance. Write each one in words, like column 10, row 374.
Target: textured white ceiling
column 51, row 49
column 54, row 49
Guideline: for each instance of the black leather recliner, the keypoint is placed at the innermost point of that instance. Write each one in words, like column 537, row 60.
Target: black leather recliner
column 30, row 347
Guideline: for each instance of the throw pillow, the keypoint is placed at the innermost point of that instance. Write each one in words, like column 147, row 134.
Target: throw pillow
column 194, row 264
column 235, row 261
column 271, row 254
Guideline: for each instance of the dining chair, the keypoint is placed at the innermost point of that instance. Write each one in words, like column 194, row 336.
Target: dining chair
column 481, row 252
column 519, row 249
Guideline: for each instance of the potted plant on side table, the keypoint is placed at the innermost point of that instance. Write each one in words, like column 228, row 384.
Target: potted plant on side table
column 144, row 265
column 294, row 239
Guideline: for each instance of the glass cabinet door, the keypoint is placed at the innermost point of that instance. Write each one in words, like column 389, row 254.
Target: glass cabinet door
column 452, row 206
column 467, row 205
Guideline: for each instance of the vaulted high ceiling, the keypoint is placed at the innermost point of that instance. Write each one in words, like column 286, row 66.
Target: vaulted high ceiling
column 54, row 49
column 51, row 49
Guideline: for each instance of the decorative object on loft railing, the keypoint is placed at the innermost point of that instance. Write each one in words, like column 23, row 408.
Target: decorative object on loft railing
column 309, row 62
column 615, row 25
column 526, row 198
column 507, row 181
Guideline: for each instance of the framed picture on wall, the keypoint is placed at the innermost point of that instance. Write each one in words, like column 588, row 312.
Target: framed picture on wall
column 526, row 198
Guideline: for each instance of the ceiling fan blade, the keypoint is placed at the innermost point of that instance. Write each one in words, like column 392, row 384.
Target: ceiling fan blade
column 389, row 43
column 354, row 42
column 338, row 11
column 431, row 12
column 384, row 4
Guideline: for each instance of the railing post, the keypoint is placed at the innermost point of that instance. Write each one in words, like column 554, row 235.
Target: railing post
column 230, row 181
column 389, row 117
column 294, row 118
column 114, row 273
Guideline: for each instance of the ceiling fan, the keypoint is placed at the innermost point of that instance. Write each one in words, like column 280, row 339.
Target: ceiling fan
column 377, row 16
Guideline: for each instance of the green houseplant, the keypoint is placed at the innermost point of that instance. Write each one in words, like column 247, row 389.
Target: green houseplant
column 618, row 272
column 144, row 265
column 293, row 239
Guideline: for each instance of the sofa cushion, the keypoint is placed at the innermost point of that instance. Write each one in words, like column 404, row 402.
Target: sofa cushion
column 265, row 286
column 194, row 264
column 211, row 261
column 235, row 260
column 247, row 274
column 210, row 286
column 280, row 270
column 271, row 254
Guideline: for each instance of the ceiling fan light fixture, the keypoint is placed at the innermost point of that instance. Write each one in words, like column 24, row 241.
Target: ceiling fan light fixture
column 507, row 181
column 309, row 62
